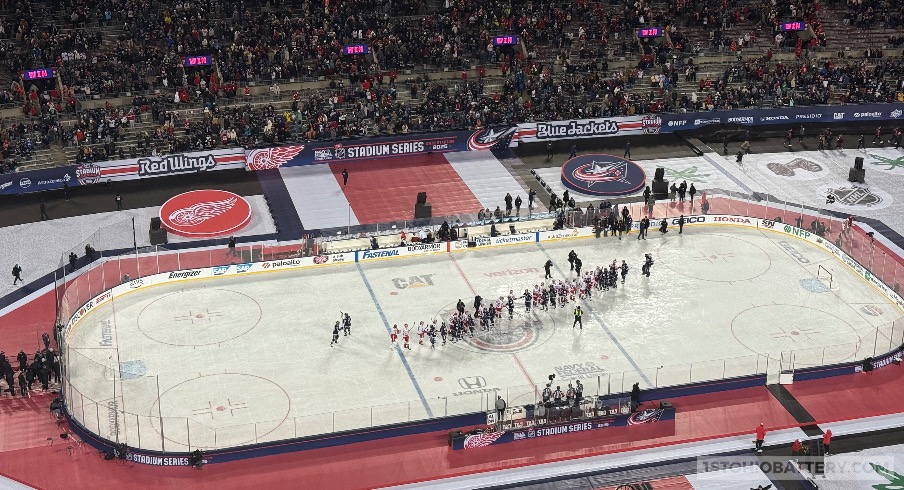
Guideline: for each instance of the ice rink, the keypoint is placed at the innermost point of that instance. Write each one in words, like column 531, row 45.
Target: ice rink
column 241, row 359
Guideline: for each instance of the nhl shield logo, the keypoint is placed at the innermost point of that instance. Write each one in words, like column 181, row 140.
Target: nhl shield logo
column 856, row 196
column 603, row 175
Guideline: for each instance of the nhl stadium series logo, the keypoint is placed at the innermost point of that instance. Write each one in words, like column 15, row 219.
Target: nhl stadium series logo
column 603, row 175
column 651, row 124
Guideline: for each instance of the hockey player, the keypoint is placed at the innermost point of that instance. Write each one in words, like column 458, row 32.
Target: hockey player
column 347, row 324
column 432, row 333
column 552, row 295
column 477, row 301
column 335, row 334
column 571, row 257
column 406, row 336
column 624, row 270
column 443, row 332
column 393, row 336
column 500, row 304
column 511, row 304
column 648, row 263
column 421, row 331
column 577, row 266
column 548, row 266
column 527, row 300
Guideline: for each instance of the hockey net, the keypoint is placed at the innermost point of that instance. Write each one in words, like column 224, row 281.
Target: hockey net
column 825, row 276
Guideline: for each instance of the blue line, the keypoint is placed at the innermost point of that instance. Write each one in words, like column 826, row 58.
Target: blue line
column 398, row 349
column 728, row 174
column 605, row 327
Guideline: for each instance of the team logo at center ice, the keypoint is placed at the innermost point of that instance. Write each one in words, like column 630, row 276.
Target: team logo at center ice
column 522, row 332
column 602, row 175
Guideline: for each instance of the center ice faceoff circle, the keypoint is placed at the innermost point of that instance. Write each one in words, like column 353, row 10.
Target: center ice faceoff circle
column 522, row 332
column 239, row 408
column 721, row 258
column 199, row 316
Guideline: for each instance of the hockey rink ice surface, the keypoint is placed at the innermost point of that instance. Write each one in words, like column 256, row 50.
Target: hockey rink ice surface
column 241, row 359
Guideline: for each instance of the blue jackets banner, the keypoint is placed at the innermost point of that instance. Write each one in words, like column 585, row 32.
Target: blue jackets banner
column 37, row 180
column 786, row 115
column 375, row 148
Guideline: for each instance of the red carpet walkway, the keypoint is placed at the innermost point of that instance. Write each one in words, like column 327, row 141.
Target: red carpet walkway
column 397, row 182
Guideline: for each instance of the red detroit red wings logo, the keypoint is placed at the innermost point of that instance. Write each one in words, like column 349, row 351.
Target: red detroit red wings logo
column 200, row 212
column 272, row 157
column 482, row 440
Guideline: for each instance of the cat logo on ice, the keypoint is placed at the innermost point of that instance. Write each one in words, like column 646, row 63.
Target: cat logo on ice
column 220, row 270
column 413, row 281
column 379, row 253
column 242, row 268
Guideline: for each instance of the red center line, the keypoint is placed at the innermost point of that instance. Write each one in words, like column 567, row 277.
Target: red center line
column 515, row 357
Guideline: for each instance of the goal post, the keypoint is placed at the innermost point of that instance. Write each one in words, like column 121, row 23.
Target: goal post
column 825, row 276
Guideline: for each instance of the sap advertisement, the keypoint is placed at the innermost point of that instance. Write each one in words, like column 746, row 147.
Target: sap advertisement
column 375, row 148
column 38, row 180
column 789, row 115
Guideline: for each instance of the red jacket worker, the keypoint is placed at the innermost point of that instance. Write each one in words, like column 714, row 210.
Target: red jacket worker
column 760, row 437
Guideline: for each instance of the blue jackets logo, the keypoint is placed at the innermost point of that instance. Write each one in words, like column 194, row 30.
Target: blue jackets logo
column 375, row 254
column 220, row 270
column 491, row 138
column 603, row 175
column 242, row 267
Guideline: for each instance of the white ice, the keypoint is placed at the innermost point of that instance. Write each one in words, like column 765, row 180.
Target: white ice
column 248, row 358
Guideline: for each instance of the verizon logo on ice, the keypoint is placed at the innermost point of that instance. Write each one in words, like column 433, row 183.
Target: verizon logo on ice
column 184, row 274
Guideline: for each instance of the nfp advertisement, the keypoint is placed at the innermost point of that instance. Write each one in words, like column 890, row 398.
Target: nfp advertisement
column 788, row 115
column 532, row 433
column 38, row 180
column 160, row 166
column 375, row 148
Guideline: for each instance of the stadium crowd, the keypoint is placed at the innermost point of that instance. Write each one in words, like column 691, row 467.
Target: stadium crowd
column 559, row 70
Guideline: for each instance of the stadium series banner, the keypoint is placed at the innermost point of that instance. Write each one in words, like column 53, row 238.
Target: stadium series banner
column 375, row 148
column 533, row 433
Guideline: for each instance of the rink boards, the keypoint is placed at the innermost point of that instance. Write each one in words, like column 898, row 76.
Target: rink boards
column 468, row 364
